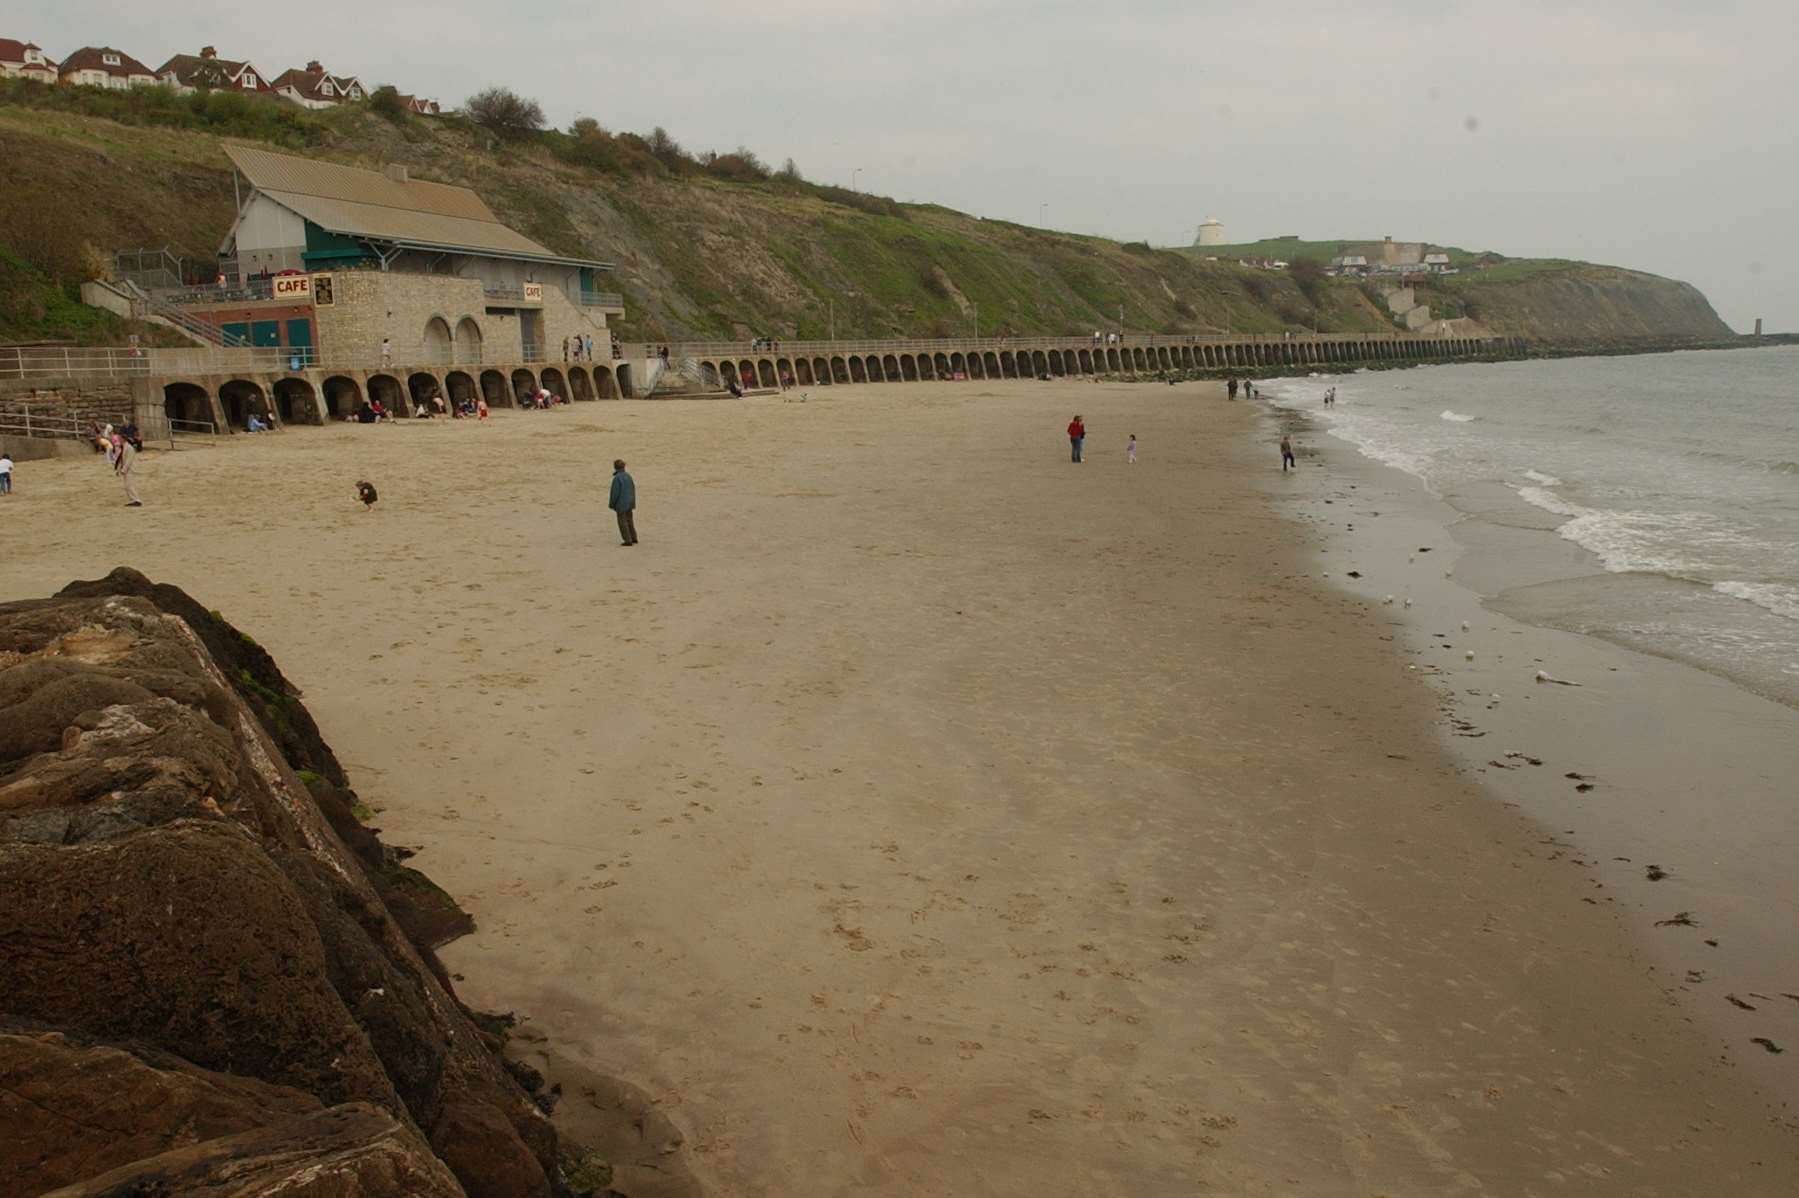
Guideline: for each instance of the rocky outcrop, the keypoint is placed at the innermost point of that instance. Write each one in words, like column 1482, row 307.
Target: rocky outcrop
column 206, row 945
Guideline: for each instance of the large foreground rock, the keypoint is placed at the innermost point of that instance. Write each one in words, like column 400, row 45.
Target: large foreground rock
column 169, row 885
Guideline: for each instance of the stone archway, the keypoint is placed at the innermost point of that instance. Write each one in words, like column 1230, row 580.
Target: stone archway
column 909, row 368
column 461, row 388
column 494, row 389
column 439, row 345
column 802, row 372
column 385, row 390
column 603, row 385
column 580, row 387
column 343, row 398
column 524, row 384
column 625, row 388
column 858, row 372
column 296, row 403
column 821, row 371
column 765, row 370
column 552, row 381
column 189, row 403
column 421, row 388
column 241, row 398
column 468, row 340
column 840, row 372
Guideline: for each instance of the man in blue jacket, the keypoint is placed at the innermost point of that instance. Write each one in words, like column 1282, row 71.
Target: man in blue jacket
column 624, row 501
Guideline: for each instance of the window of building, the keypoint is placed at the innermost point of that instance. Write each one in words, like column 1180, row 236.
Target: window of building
column 355, row 92
column 111, row 60
column 325, row 89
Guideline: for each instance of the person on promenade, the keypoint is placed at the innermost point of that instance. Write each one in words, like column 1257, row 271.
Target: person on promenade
column 587, row 346
column 387, row 352
column 1130, row 451
column 1077, row 433
column 1287, row 461
column 5, row 473
column 623, row 502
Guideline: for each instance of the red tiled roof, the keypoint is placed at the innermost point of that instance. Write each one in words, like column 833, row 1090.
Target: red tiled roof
column 14, row 51
column 309, row 83
column 187, row 66
column 91, row 58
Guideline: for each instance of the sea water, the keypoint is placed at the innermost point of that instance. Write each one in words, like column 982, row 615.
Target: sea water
column 1679, row 473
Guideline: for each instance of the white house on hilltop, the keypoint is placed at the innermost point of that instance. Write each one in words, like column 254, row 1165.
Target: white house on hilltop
column 25, row 60
column 103, row 66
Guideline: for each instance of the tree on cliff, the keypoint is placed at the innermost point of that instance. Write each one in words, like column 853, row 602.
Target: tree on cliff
column 504, row 113
column 1308, row 275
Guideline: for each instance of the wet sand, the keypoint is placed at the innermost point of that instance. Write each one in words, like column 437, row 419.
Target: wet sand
column 916, row 812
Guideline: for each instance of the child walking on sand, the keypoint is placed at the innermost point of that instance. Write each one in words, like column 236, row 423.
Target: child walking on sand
column 1130, row 451
column 1287, row 454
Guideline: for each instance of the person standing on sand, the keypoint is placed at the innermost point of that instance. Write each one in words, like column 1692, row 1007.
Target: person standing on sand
column 1130, row 451
column 1230, row 388
column 624, row 502
column 1287, row 454
column 5, row 473
column 123, row 456
column 1077, row 433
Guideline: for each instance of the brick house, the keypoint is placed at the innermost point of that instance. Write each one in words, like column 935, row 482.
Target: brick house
column 25, row 60
column 315, row 87
column 191, row 72
column 103, row 66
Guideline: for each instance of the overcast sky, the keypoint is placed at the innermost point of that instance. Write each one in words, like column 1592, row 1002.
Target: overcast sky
column 1654, row 134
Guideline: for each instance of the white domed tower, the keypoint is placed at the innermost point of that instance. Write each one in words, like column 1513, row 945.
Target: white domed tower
column 1210, row 233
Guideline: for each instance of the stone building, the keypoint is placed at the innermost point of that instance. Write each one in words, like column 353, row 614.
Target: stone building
column 370, row 256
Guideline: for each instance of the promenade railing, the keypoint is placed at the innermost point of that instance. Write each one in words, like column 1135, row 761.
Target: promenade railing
column 115, row 362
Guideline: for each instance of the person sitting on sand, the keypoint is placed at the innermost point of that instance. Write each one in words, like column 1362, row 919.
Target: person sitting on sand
column 1287, row 454
column 256, row 425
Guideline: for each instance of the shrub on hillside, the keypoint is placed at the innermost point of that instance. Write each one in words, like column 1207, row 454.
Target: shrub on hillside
column 231, row 113
column 504, row 113
column 385, row 100
column 1308, row 275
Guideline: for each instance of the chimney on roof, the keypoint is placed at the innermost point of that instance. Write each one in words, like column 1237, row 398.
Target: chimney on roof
column 396, row 172
column 313, row 68
column 208, row 52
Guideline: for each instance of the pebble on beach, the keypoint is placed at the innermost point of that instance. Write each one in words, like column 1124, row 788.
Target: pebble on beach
column 1469, row 655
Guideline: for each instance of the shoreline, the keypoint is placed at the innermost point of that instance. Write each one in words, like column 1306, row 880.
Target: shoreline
column 917, row 811
column 1688, row 822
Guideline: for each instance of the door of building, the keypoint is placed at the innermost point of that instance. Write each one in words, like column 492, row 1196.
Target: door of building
column 265, row 334
column 235, row 333
column 527, row 328
column 299, row 341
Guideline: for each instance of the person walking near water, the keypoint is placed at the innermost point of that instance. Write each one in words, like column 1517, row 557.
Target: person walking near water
column 1077, row 433
column 624, row 502
column 1287, row 454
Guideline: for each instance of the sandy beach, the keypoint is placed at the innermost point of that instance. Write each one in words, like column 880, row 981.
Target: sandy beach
column 916, row 812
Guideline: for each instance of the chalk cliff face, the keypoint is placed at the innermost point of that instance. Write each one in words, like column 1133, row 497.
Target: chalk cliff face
column 1586, row 305
column 215, row 980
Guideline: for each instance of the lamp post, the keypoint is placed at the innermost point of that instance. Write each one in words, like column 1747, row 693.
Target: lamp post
column 853, row 175
column 1040, row 209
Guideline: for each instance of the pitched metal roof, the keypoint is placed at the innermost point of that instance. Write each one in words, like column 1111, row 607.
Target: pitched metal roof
column 368, row 204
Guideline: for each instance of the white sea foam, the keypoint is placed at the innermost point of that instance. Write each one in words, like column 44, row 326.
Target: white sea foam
column 1457, row 417
column 1541, row 479
column 1771, row 596
column 1551, row 502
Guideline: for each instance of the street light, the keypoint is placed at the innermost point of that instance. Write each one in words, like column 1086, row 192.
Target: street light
column 1040, row 209
column 853, row 175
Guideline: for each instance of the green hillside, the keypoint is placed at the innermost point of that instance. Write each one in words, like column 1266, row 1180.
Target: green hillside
column 705, row 245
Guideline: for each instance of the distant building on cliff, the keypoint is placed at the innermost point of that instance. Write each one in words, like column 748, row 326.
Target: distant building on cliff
column 25, row 60
column 1211, row 232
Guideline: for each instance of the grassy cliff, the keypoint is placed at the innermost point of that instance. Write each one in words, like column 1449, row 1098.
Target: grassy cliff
column 701, row 250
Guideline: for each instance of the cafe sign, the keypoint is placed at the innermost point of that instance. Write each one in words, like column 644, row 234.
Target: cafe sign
column 293, row 287
column 534, row 293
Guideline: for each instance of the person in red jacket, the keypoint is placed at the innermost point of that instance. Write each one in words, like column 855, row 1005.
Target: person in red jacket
column 1077, row 432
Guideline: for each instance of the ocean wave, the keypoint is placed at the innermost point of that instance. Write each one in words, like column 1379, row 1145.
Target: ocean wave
column 1771, row 596
column 1541, row 479
column 1457, row 417
column 1549, row 502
